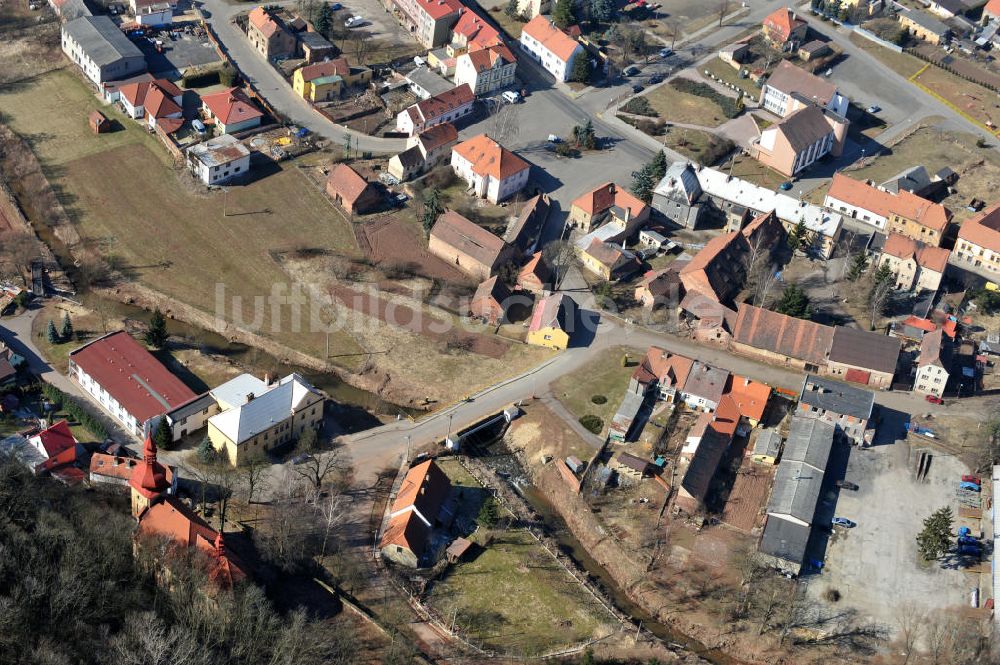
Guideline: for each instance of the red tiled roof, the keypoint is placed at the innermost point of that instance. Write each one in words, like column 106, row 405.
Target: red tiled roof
column 536, row 271
column 667, row 368
column 710, row 252
column 557, row 42
column 339, row 66
column 488, row 58
column 609, row 194
column 263, row 21
column 926, row 256
column 438, row 9
column 422, row 493
column 921, row 324
column 477, row 33
column 231, row 106
column 983, row 230
column 548, row 312
column 992, row 8
column 113, row 466
column 781, row 334
column 135, row 93
column 149, row 477
column 462, row 234
column 347, row 182
column 159, row 105
column 490, row 158
column 437, row 136
column 439, row 105
column 782, row 22
column 131, row 375
column 905, row 204
column 57, row 438
column 749, row 396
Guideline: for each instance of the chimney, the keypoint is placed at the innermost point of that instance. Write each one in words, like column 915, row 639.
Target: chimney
column 250, row 397
column 267, row 379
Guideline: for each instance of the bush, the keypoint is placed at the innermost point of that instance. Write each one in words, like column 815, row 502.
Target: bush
column 227, row 75
column 201, row 79
column 716, row 149
column 599, row 399
column 639, row 106
column 730, row 107
column 592, row 423
column 832, row 595
column 888, row 29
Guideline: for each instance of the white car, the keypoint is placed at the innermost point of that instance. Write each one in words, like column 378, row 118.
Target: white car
column 511, row 97
column 354, row 22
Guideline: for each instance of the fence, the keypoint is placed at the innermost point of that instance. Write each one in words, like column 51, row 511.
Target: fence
column 858, row 30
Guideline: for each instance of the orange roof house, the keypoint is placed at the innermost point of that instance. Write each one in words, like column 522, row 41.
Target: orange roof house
column 492, row 171
column 490, row 301
column 351, row 191
column 905, row 212
column 472, row 33
column 716, row 271
column 750, row 398
column 784, row 29
column 662, row 371
column 720, row 428
column 416, row 511
column 550, row 46
column 978, row 242
column 231, row 110
column 448, row 106
column 535, row 276
column 607, row 197
column 992, row 9
column 269, row 35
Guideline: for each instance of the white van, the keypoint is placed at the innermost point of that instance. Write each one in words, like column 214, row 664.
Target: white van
column 510, row 97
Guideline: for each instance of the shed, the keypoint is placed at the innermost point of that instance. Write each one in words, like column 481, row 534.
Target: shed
column 767, row 447
column 574, row 464
column 99, row 124
column 457, row 549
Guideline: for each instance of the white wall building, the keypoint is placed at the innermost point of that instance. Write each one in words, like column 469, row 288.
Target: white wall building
column 101, row 49
column 218, row 160
column 493, row 172
column 550, row 47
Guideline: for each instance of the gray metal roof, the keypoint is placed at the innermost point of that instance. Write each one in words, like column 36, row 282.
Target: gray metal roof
column 191, row 407
column 768, row 443
column 927, row 22
column 796, row 490
column 101, row 39
column 261, row 413
column 234, row 391
column 680, row 183
column 837, row 397
column 861, row 348
column 314, row 40
column 430, row 81
column 809, row 441
column 785, row 540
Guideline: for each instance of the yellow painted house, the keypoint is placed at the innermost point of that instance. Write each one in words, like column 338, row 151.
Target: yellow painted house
column 767, row 447
column 258, row 423
column 324, row 81
column 551, row 323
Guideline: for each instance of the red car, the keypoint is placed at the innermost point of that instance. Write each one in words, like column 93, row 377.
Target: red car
column 934, row 400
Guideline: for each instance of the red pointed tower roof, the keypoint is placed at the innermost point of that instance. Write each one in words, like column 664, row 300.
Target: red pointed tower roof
column 149, row 478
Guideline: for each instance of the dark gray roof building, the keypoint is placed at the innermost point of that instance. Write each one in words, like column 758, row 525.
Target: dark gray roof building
column 840, row 398
column 785, row 543
column 860, row 348
column 101, row 49
column 809, row 442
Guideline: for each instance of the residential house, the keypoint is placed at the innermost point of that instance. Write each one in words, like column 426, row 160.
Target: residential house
column 947, row 8
column 269, row 35
column 847, row 407
column 406, row 165
column 661, row 374
column 231, row 111
column 127, row 381
column 525, row 230
column 191, row 416
column 784, row 30
column 447, row 107
column 490, row 301
column 158, row 93
column 267, row 421
column 917, row 266
column 795, row 494
column 704, row 387
column 314, row 47
column 933, row 364
column 155, row 14
column 423, row 152
column 780, row 339
column 416, row 511
column 551, row 322
column 471, row 248
column 863, row 357
column 797, row 141
column 550, row 47
column 493, row 172
column 536, row 276
column 902, row 212
column 68, row 10
column 472, row 33
column 717, row 270
column 57, row 448
column 659, row 288
column 486, row 70
column 790, row 89
column 923, row 26
column 10, row 363
column 697, row 479
column 610, row 262
column 677, row 195
column 629, row 467
column 106, row 469
column 425, row 82
column 351, row 191
column 219, row 159
column 101, row 49
column 751, row 398
column 324, row 81
column 712, row 321
column 978, row 244
column 430, row 21
column 767, row 447
column 721, row 425
column 592, row 208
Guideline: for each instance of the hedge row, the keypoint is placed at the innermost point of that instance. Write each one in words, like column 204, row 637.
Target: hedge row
column 75, row 410
column 730, row 107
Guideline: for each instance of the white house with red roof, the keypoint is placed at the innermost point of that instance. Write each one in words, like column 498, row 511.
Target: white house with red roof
column 550, row 47
column 486, row 70
column 133, row 98
column 448, row 106
column 430, row 21
column 127, row 381
column 231, row 111
column 493, row 172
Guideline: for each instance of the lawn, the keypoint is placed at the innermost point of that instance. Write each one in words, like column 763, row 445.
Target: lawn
column 512, row 596
column 979, row 168
column 750, row 169
column 722, row 70
column 511, row 26
column 603, row 376
column 675, row 106
column 901, row 63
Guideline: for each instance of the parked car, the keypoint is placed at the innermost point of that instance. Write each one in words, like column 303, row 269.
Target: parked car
column 970, row 487
column 845, row 485
column 510, row 97
column 655, row 78
column 828, row 72
column 666, row 53
column 554, row 139
column 873, row 109
column 785, row 186
column 335, row 6
column 934, row 399
column 354, row 22
column 631, row 71
column 637, row 88
column 844, row 522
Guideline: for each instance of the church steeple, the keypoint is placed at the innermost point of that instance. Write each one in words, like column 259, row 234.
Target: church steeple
column 148, row 480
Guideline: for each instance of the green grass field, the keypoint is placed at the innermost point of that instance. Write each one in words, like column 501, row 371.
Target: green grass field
column 513, row 597
column 675, row 106
column 604, row 375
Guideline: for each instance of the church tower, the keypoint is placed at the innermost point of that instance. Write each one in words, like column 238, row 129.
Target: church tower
column 148, row 480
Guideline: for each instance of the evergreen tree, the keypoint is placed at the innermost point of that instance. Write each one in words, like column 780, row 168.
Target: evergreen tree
column 602, row 11
column 882, row 274
column 659, row 166
column 794, row 302
column 162, row 436
column 858, row 266
column 51, row 333
column 798, row 237
column 205, row 452
column 432, row 208
column 643, row 183
column 563, row 14
column 580, row 72
column 156, row 335
column 325, row 20
column 512, row 10
column 67, row 328
column 489, row 513
column 935, row 538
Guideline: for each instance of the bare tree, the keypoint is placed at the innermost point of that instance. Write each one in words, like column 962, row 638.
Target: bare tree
column 909, row 620
column 761, row 274
column 723, row 10
column 254, row 479
column 146, row 640
column 879, row 299
column 561, row 255
column 318, row 470
column 504, row 123
column 674, row 28
column 331, row 510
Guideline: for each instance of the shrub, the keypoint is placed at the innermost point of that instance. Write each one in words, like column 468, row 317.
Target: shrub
column 831, row 595
column 227, row 75
column 730, row 107
column 640, row 106
column 201, row 79
column 599, row 399
column 592, row 423
column 716, row 149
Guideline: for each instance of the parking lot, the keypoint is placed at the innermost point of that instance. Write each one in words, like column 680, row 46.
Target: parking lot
column 875, row 565
column 178, row 54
